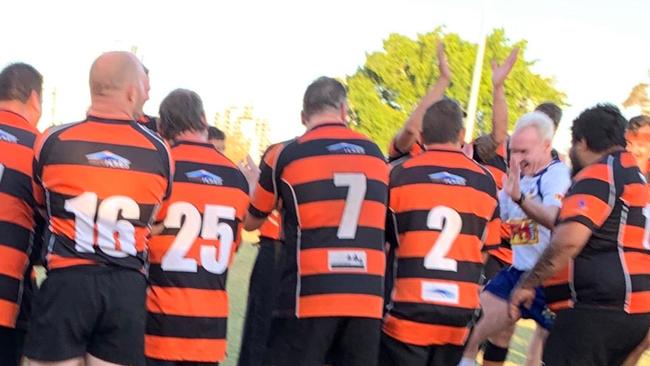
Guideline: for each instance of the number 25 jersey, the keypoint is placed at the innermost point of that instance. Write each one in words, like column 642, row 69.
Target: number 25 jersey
column 104, row 179
column 187, row 303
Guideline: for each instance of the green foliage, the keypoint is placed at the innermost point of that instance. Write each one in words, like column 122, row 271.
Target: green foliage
column 383, row 92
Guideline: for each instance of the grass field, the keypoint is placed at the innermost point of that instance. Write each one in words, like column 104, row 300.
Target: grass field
column 238, row 290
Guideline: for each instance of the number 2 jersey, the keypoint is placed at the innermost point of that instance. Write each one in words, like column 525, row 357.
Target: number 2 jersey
column 445, row 210
column 333, row 185
column 187, row 303
column 104, row 179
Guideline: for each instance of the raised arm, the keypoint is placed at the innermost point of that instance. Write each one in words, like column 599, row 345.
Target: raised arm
column 410, row 132
column 487, row 145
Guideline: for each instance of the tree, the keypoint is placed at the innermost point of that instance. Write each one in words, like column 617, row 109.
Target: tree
column 639, row 98
column 385, row 89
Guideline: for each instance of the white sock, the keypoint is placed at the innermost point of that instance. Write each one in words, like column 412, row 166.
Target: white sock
column 465, row 361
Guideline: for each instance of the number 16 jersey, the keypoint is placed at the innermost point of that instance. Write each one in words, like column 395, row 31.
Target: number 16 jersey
column 445, row 210
column 104, row 178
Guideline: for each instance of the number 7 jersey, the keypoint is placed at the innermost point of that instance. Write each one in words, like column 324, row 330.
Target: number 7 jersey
column 445, row 210
column 104, row 179
column 187, row 303
column 333, row 185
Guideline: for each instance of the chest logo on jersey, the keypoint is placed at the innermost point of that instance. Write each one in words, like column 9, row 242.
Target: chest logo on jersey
column 346, row 148
column 440, row 292
column 448, row 178
column 347, row 260
column 7, row 137
column 523, row 232
column 204, row 177
column 108, row 159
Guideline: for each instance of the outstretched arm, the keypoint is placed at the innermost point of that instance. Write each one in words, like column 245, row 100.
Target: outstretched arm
column 409, row 134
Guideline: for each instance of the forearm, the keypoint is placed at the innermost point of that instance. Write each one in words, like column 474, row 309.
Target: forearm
column 499, row 115
column 410, row 133
column 543, row 215
column 554, row 259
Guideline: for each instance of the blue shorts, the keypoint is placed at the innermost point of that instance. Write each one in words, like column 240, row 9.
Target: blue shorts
column 502, row 285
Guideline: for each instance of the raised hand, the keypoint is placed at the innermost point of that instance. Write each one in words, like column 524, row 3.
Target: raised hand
column 500, row 72
column 443, row 65
column 512, row 180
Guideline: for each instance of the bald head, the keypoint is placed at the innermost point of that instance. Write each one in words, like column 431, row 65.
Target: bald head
column 119, row 78
column 114, row 71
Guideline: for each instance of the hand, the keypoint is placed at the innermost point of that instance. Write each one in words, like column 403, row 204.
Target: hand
column 443, row 65
column 520, row 296
column 511, row 180
column 500, row 72
column 251, row 172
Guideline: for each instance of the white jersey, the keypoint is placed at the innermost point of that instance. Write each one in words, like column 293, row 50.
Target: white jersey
column 529, row 239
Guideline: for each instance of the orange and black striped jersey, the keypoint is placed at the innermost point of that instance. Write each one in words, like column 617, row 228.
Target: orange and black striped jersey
column 18, row 199
column 272, row 227
column 609, row 197
column 187, row 302
column 445, row 210
column 333, row 185
column 104, row 180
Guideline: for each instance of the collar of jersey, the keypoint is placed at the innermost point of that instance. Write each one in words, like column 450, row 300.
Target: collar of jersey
column 553, row 162
column 14, row 114
column 329, row 124
column 445, row 149
column 194, row 143
column 96, row 118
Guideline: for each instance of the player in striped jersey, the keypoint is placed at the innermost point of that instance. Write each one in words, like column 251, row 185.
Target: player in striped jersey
column 262, row 293
column 200, row 227
column 20, row 110
column 638, row 143
column 602, row 234
column 332, row 182
column 445, row 208
column 104, row 179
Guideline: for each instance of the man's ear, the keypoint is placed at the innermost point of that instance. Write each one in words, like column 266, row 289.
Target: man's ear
column 303, row 118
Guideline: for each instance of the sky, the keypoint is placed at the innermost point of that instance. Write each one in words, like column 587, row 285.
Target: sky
column 265, row 53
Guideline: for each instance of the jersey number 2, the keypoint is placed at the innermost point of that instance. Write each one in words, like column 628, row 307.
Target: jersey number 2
column 449, row 222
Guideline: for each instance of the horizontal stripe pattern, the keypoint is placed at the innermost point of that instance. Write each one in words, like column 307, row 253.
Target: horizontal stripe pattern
column 188, row 310
column 433, row 305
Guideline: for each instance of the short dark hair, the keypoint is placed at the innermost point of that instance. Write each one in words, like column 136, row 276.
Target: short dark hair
column 18, row 81
column 552, row 110
column 442, row 122
column 181, row 111
column 637, row 122
column 215, row 134
column 602, row 127
column 324, row 92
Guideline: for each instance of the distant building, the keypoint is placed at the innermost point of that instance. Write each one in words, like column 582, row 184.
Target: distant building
column 243, row 128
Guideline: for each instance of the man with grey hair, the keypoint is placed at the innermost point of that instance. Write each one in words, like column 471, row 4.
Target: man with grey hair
column 530, row 201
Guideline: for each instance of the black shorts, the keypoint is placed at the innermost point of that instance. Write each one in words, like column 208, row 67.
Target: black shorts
column 262, row 294
column 492, row 267
column 11, row 346
column 393, row 352
column 311, row 341
column 95, row 310
column 152, row 362
column 594, row 336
